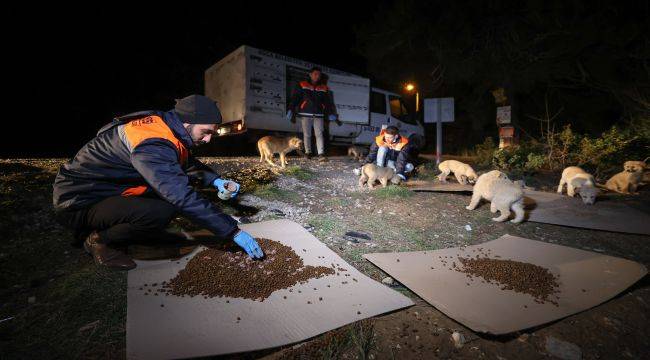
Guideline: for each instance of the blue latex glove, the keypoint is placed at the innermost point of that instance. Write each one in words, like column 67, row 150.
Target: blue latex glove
column 220, row 185
column 246, row 241
column 289, row 115
column 332, row 117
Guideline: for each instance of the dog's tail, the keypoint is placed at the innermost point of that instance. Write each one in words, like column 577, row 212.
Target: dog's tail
column 601, row 186
column 259, row 148
column 518, row 208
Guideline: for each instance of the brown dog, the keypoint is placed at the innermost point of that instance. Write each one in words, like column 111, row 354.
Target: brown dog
column 371, row 173
column 270, row 145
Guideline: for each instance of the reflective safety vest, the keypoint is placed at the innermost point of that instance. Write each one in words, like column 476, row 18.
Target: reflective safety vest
column 311, row 100
column 395, row 145
column 136, row 129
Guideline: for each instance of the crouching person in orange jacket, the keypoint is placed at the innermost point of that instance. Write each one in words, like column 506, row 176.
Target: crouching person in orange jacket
column 133, row 178
column 392, row 150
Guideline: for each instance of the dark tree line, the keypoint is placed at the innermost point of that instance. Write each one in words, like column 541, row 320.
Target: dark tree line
column 586, row 61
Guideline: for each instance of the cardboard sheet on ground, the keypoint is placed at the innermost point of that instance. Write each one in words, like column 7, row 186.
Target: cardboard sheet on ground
column 609, row 214
column 436, row 186
column 485, row 307
column 194, row 326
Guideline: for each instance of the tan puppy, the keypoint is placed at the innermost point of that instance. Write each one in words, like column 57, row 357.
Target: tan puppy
column 357, row 152
column 484, row 187
column 625, row 182
column 576, row 178
column 270, row 145
column 634, row 166
column 503, row 194
column 464, row 173
column 371, row 173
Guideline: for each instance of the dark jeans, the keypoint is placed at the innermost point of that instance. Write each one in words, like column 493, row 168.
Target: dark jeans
column 119, row 219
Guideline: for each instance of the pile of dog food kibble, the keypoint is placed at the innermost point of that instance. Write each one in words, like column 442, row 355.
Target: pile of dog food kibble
column 513, row 275
column 227, row 272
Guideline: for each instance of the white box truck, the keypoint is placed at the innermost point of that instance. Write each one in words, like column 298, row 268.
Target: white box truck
column 251, row 87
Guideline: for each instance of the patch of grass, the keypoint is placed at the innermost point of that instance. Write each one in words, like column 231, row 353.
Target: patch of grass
column 326, row 225
column 393, row 191
column 362, row 334
column 272, row 192
column 415, row 238
column 337, row 202
column 355, row 255
column 77, row 316
column 299, row 173
column 354, row 341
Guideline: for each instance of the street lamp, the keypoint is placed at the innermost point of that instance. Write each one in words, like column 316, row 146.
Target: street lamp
column 410, row 88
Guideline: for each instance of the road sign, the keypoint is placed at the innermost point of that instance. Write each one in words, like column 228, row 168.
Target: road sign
column 436, row 108
column 503, row 115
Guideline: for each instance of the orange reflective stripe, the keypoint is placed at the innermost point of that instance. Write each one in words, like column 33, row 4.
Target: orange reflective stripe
column 396, row 146
column 134, row 191
column 139, row 130
column 302, row 105
column 306, row 85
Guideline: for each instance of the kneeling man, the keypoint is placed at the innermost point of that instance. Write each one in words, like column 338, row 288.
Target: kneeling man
column 133, row 178
column 392, row 150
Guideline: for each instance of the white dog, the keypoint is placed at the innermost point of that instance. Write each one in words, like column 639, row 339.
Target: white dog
column 577, row 179
column 503, row 194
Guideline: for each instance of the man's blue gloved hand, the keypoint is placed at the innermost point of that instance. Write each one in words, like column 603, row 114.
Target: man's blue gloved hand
column 289, row 115
column 233, row 187
column 332, row 117
column 246, row 241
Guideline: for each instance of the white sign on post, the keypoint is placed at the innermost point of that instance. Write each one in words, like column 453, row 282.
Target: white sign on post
column 438, row 110
column 503, row 115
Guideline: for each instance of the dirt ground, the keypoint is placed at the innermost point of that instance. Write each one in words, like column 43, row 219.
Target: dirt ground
column 55, row 303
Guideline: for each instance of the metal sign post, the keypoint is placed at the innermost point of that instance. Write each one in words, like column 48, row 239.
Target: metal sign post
column 438, row 110
column 439, row 136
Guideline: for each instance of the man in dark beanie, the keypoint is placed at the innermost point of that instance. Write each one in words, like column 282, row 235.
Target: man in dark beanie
column 132, row 179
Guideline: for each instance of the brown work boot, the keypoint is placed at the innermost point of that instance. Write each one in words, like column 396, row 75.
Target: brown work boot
column 104, row 255
column 322, row 158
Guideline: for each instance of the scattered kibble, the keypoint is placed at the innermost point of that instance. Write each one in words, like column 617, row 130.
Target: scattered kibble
column 229, row 272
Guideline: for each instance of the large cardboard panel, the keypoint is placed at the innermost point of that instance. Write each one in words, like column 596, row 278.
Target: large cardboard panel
column 609, row 214
column 586, row 279
column 191, row 327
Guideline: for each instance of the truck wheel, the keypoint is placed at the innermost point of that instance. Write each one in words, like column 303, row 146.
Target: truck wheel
column 417, row 141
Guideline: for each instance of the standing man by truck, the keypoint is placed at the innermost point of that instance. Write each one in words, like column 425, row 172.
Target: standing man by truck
column 311, row 102
column 130, row 180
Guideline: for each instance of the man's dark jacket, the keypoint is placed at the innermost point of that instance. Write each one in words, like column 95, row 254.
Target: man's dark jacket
column 311, row 100
column 141, row 154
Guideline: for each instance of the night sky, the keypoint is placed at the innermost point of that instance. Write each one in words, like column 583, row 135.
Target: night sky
column 70, row 69
column 75, row 72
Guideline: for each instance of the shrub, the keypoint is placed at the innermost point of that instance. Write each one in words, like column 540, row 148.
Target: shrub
column 605, row 154
column 602, row 156
column 485, row 152
column 526, row 157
